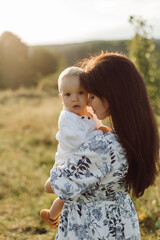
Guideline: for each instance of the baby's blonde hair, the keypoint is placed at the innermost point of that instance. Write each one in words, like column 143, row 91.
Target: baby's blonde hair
column 69, row 72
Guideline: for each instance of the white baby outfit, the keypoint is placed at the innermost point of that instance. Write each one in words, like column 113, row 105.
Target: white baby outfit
column 74, row 130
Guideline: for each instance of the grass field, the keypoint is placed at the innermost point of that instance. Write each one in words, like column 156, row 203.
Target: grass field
column 28, row 124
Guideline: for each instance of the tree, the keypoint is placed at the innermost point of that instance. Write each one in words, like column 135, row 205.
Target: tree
column 44, row 61
column 142, row 52
column 15, row 68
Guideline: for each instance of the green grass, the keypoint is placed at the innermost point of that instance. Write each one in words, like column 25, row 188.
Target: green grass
column 28, row 125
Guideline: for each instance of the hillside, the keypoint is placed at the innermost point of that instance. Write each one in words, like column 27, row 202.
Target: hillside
column 74, row 52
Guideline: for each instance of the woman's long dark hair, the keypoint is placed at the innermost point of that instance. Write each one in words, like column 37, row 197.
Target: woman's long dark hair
column 114, row 77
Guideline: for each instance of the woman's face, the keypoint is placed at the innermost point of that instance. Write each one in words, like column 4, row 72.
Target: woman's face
column 100, row 106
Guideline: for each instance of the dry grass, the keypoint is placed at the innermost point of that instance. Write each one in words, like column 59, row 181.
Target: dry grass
column 28, row 124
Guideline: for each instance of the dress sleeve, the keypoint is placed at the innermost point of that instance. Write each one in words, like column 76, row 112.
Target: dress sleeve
column 88, row 165
column 71, row 132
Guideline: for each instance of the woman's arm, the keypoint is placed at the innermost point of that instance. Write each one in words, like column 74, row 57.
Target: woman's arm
column 90, row 165
column 87, row 166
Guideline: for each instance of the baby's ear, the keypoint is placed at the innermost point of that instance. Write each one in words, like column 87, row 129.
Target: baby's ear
column 60, row 97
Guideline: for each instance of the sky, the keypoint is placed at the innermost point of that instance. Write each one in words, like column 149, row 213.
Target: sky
column 41, row 22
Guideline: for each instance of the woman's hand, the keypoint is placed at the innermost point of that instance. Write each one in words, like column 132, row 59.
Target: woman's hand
column 104, row 129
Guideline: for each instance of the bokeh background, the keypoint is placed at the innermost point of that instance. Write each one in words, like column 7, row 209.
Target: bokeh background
column 39, row 39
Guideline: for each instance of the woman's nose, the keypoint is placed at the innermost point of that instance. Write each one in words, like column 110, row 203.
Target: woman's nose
column 89, row 102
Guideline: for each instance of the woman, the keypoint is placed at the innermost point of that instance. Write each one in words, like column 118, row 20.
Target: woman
column 94, row 183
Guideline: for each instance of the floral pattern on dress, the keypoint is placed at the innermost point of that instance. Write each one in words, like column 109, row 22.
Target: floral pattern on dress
column 91, row 183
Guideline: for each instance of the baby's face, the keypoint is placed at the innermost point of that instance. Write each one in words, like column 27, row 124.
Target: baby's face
column 74, row 97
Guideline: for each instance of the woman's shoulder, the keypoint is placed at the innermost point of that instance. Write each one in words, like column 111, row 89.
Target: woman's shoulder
column 102, row 144
column 107, row 138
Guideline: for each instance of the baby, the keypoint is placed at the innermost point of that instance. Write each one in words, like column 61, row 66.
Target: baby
column 76, row 126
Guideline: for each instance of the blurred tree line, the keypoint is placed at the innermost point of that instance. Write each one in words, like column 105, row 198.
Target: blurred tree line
column 22, row 65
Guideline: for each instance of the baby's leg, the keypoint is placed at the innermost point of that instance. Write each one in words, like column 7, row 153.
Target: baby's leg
column 52, row 216
column 56, row 208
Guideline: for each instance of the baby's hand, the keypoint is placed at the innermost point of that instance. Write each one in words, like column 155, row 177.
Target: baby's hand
column 104, row 129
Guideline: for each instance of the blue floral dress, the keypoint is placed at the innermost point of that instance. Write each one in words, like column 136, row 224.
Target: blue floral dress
column 91, row 183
